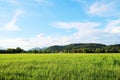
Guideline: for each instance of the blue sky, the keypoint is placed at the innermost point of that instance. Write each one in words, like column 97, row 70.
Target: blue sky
column 42, row 23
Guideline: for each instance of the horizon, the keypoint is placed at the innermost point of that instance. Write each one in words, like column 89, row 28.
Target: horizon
column 3, row 48
column 43, row 23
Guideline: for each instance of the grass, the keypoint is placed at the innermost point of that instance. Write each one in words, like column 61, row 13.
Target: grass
column 59, row 66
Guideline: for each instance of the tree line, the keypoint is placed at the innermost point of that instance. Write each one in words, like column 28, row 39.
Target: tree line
column 85, row 48
column 12, row 50
column 71, row 48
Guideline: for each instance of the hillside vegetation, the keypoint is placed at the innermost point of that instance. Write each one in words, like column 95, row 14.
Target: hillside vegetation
column 84, row 48
column 71, row 48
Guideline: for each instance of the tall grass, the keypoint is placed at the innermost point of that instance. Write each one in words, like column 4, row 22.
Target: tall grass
column 60, row 67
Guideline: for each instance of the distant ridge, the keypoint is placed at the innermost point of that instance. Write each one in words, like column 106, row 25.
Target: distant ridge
column 36, row 48
column 71, row 48
column 84, row 47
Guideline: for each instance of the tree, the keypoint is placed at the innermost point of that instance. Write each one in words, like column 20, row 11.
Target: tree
column 97, row 50
column 19, row 50
column 11, row 50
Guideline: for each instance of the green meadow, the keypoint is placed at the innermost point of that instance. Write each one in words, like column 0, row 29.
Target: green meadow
column 59, row 66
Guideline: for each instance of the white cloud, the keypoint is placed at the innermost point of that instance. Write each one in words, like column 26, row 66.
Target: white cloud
column 44, row 41
column 83, row 28
column 88, row 32
column 77, row 25
column 85, row 31
column 11, row 25
column 12, row 43
column 113, row 26
column 101, row 8
column 39, row 40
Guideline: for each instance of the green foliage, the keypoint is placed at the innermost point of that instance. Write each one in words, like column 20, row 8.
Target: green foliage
column 60, row 67
column 85, row 48
column 12, row 50
column 72, row 48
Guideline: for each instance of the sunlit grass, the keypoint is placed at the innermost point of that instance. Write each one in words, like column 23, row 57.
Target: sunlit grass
column 60, row 67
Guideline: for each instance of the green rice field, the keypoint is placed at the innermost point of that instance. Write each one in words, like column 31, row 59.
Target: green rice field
column 59, row 66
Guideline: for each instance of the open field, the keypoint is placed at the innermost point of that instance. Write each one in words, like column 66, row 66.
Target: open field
column 59, row 66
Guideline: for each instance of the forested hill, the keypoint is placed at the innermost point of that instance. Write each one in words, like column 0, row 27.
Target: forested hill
column 84, row 48
column 71, row 48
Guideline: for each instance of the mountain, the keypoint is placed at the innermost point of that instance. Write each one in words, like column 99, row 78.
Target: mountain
column 115, row 45
column 83, row 48
column 43, row 48
column 73, row 47
column 55, row 48
column 84, row 45
column 36, row 48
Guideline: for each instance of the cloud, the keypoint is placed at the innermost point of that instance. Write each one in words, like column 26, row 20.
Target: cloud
column 101, row 8
column 85, row 31
column 43, row 41
column 77, row 25
column 40, row 40
column 88, row 32
column 13, row 42
column 83, row 28
column 113, row 26
column 11, row 25
column 104, row 8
